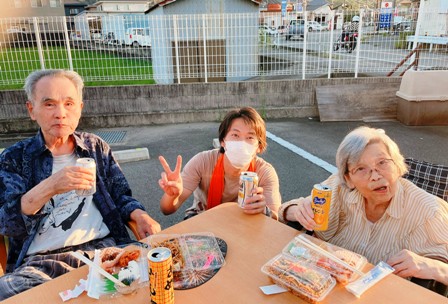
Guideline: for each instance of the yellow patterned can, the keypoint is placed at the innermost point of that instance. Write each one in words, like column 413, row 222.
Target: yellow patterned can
column 161, row 284
column 321, row 199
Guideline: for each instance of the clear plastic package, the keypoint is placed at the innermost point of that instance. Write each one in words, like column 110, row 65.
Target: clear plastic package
column 376, row 274
column 196, row 256
column 126, row 263
column 300, row 277
column 176, row 244
column 203, row 251
column 300, row 247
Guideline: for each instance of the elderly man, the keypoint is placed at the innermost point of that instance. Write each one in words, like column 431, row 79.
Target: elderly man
column 40, row 210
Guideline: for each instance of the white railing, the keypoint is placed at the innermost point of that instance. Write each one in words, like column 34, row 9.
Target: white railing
column 224, row 47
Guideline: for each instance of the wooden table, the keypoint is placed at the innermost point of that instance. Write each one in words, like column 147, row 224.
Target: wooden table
column 252, row 241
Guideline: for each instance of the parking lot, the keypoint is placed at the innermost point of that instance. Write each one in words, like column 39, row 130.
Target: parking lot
column 297, row 175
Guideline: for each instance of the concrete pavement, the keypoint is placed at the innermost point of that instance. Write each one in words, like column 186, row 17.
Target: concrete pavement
column 297, row 175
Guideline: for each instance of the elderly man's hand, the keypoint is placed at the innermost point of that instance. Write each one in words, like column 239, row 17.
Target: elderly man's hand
column 72, row 178
column 146, row 225
column 66, row 179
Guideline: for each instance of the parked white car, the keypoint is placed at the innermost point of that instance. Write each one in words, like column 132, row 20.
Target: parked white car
column 95, row 35
column 15, row 29
column 270, row 30
column 75, row 36
column 314, row 26
column 137, row 36
column 282, row 29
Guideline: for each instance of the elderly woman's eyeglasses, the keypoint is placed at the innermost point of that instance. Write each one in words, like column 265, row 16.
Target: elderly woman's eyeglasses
column 381, row 166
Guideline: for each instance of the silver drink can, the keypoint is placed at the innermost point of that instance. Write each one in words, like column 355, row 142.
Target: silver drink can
column 248, row 181
column 87, row 163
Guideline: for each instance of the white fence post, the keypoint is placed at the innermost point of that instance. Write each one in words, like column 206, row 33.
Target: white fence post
column 39, row 43
column 67, row 42
column 361, row 15
column 305, row 34
column 421, row 14
column 176, row 47
column 204, row 34
column 331, row 43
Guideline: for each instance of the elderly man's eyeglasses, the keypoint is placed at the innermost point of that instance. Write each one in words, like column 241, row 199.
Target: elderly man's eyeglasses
column 364, row 172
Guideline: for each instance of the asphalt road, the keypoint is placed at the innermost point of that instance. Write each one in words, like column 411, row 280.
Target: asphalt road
column 297, row 174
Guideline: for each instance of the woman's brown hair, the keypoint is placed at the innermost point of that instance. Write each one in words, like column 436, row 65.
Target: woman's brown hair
column 250, row 117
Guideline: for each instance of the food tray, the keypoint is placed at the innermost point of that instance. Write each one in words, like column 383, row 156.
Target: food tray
column 127, row 263
column 300, row 277
column 196, row 251
column 299, row 248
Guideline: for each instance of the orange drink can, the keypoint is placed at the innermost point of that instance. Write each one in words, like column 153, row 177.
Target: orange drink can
column 321, row 199
column 161, row 279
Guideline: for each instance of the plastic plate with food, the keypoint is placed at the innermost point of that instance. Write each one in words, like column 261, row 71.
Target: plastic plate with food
column 127, row 264
column 300, row 277
column 320, row 253
column 196, row 256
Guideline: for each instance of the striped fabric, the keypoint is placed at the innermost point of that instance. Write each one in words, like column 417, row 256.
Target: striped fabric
column 415, row 220
column 430, row 177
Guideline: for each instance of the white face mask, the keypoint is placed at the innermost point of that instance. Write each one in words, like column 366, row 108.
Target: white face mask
column 240, row 153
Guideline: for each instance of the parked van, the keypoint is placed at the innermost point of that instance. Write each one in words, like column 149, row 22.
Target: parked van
column 296, row 28
column 137, row 36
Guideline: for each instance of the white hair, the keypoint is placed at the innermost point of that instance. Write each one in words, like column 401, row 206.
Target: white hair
column 354, row 144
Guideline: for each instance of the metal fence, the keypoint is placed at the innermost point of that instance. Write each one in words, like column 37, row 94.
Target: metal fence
column 222, row 47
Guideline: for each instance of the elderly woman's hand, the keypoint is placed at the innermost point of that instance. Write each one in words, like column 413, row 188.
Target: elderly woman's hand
column 256, row 203
column 409, row 264
column 303, row 213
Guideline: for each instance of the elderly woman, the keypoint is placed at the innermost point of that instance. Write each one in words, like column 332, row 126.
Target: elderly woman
column 213, row 176
column 377, row 213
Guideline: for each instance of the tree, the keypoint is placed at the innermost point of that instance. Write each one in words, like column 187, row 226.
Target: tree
column 351, row 4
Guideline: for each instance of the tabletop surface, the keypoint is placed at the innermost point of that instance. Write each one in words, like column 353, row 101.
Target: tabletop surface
column 252, row 241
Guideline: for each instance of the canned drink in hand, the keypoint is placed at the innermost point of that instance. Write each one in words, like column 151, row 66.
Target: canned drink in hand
column 248, row 182
column 87, row 163
column 321, row 199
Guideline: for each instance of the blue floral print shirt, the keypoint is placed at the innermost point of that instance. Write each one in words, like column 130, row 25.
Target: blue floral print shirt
column 28, row 162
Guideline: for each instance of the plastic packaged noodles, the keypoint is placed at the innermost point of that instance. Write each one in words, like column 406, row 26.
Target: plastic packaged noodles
column 194, row 254
column 314, row 251
column 300, row 277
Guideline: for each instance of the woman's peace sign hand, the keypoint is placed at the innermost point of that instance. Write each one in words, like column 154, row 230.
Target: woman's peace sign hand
column 171, row 181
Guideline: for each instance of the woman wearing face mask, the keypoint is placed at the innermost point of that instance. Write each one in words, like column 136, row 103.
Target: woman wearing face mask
column 213, row 176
